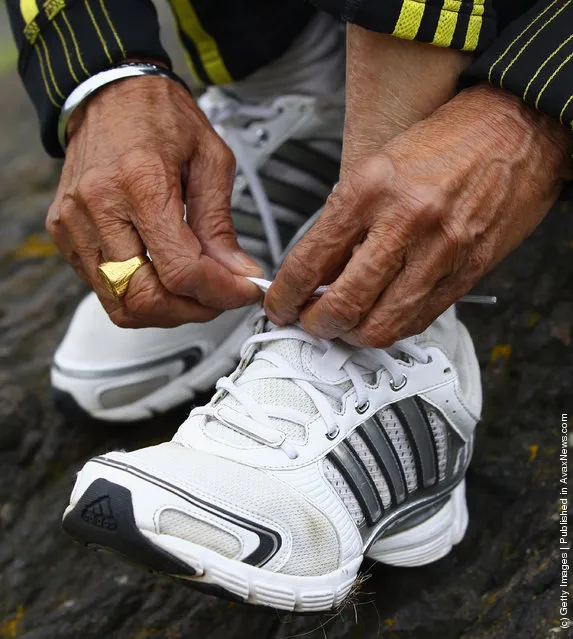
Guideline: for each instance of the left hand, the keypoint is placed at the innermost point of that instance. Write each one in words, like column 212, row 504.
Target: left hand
column 413, row 226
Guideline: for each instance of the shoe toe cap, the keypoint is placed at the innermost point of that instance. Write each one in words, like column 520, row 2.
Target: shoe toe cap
column 234, row 510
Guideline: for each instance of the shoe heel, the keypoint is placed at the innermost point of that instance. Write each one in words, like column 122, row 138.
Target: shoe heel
column 428, row 541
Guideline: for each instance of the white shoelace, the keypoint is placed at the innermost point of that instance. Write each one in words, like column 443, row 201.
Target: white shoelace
column 254, row 420
column 230, row 113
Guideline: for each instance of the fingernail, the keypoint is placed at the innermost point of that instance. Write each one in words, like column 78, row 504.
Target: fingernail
column 246, row 265
column 279, row 317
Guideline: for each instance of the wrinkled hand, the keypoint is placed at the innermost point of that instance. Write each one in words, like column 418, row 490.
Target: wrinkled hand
column 140, row 149
column 415, row 225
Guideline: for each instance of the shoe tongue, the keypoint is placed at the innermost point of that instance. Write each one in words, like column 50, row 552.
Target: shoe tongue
column 276, row 392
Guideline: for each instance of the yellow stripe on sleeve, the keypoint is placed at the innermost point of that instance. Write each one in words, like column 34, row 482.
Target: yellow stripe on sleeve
column 447, row 23
column 409, row 19
column 66, row 52
column 113, row 29
column 565, row 109
column 207, row 48
column 29, row 9
column 98, row 31
column 519, row 37
column 474, row 27
column 45, row 79
column 552, row 77
column 531, row 39
column 76, row 47
column 542, row 66
column 49, row 65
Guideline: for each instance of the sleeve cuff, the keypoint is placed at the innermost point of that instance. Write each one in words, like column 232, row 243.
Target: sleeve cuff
column 66, row 42
column 532, row 59
column 456, row 24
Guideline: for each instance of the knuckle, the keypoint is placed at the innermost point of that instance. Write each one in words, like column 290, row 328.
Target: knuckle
column 216, row 157
column 377, row 335
column 53, row 223
column 375, row 175
column 92, row 186
column 346, row 192
column 379, row 171
column 138, row 303
column 299, row 273
column 395, row 242
column 457, row 235
column 218, row 224
column 121, row 318
column 144, row 173
column 343, row 309
column 177, row 274
column 66, row 213
column 479, row 262
column 422, row 203
column 350, row 192
column 223, row 156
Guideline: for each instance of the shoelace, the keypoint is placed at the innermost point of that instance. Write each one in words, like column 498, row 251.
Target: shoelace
column 253, row 419
column 229, row 113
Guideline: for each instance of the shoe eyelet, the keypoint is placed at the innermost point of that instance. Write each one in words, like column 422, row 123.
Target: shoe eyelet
column 334, row 434
column 262, row 136
column 400, row 386
column 362, row 408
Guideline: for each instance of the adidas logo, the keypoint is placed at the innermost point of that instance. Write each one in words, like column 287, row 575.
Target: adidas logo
column 98, row 513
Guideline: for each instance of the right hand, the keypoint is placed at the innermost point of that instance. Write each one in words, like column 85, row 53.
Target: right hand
column 139, row 150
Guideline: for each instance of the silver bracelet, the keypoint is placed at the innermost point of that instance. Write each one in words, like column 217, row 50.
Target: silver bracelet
column 87, row 88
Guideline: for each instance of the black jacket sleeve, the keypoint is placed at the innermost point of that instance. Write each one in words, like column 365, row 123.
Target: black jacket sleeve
column 522, row 46
column 533, row 58
column 63, row 42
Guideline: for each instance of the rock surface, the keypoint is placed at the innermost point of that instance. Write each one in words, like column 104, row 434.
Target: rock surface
column 500, row 582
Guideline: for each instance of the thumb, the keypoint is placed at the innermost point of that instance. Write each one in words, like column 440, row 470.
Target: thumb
column 208, row 198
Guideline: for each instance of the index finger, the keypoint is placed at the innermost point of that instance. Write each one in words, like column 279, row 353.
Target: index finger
column 351, row 296
column 185, row 270
column 178, row 257
column 325, row 247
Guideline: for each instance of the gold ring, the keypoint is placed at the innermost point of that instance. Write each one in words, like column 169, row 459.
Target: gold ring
column 116, row 275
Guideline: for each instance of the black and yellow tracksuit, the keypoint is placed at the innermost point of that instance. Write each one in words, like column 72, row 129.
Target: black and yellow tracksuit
column 523, row 46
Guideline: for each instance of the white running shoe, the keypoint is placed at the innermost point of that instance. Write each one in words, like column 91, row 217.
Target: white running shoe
column 311, row 455
column 288, row 157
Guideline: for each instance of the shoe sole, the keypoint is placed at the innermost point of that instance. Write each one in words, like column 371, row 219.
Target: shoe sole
column 430, row 540
column 214, row 574
column 68, row 389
